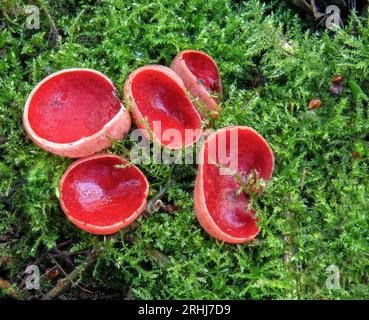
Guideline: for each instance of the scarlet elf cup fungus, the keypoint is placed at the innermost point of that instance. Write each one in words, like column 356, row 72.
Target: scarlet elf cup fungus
column 228, row 158
column 102, row 194
column 201, row 77
column 75, row 113
column 161, row 108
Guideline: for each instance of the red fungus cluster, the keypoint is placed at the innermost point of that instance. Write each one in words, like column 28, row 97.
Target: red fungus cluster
column 77, row 113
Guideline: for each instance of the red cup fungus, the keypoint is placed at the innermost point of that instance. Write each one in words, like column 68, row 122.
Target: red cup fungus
column 221, row 203
column 75, row 113
column 103, row 193
column 161, row 107
column 201, row 77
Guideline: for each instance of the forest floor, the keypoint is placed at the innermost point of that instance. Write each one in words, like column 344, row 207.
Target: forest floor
column 314, row 213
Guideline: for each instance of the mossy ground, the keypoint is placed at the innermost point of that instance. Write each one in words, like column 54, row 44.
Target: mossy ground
column 315, row 211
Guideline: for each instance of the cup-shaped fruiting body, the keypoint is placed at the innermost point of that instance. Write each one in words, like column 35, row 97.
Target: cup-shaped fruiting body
column 201, row 77
column 234, row 161
column 161, row 108
column 75, row 113
column 103, row 193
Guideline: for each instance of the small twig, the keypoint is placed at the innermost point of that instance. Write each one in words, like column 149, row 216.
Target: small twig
column 304, row 172
column 58, row 264
column 41, row 258
column 7, row 18
column 65, row 274
column 65, row 256
column 315, row 10
column 114, row 296
column 48, row 271
column 53, row 34
column 66, row 283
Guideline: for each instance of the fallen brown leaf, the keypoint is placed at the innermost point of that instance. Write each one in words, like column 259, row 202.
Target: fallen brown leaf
column 314, row 104
column 4, row 284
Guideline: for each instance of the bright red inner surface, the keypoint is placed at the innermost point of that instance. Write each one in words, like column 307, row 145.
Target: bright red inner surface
column 204, row 69
column 227, row 208
column 160, row 99
column 100, row 194
column 72, row 105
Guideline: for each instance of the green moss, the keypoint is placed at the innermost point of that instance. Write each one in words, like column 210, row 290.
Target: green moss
column 314, row 212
